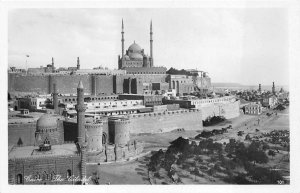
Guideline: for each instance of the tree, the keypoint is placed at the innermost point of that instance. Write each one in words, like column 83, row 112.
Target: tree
column 255, row 154
column 20, row 142
column 271, row 153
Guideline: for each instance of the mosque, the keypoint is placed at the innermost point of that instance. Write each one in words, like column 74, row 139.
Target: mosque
column 135, row 55
column 89, row 141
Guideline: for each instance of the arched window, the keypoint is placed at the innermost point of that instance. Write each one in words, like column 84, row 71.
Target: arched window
column 19, row 179
column 44, row 176
column 52, row 175
column 46, row 141
column 69, row 173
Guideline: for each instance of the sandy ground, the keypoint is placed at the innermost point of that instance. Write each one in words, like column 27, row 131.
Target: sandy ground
column 135, row 172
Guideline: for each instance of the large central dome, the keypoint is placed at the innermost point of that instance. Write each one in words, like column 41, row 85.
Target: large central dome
column 134, row 48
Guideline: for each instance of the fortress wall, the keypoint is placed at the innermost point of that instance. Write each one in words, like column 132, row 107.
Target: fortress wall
column 144, row 78
column 49, row 164
column 23, row 132
column 112, row 153
column 167, row 121
column 21, row 83
column 104, row 84
column 68, row 84
column 118, row 84
column 228, row 110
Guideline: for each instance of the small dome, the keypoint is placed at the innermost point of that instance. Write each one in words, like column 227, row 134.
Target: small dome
column 136, row 56
column 46, row 122
column 134, row 48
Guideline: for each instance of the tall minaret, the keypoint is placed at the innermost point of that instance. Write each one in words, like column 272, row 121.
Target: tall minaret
column 78, row 63
column 151, row 45
column 80, row 108
column 55, row 98
column 122, row 40
column 259, row 88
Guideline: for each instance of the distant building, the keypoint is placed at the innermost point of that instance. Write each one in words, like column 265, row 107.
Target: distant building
column 135, row 55
column 253, row 108
column 269, row 101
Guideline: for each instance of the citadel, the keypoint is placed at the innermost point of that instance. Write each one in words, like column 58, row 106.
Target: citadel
column 63, row 119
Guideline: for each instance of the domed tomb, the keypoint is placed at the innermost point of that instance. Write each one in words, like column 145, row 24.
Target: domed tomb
column 48, row 131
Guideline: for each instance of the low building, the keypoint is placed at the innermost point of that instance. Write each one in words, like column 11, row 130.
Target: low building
column 253, row 108
column 148, row 100
column 269, row 101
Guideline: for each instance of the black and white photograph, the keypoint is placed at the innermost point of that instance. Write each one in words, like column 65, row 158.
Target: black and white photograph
column 170, row 94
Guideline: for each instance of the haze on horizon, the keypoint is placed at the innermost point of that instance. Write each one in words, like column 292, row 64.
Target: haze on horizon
column 238, row 45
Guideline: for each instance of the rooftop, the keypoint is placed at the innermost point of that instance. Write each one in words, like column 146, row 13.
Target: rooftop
column 31, row 151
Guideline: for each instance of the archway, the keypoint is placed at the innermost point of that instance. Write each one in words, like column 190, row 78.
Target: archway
column 104, row 138
column 19, row 179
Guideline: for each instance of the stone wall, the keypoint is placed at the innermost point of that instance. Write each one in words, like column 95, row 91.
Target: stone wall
column 229, row 110
column 166, row 121
column 22, row 133
column 113, row 153
column 93, row 84
column 43, row 167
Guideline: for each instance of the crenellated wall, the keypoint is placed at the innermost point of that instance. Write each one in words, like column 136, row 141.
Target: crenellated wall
column 166, row 121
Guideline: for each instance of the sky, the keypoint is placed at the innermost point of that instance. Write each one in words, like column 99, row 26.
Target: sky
column 237, row 45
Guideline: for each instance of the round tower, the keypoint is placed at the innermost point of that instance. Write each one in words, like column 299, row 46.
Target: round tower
column 119, row 130
column 94, row 136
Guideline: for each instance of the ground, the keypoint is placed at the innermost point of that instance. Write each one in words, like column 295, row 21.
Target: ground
column 135, row 172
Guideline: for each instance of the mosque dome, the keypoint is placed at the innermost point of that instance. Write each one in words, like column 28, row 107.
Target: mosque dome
column 46, row 122
column 126, row 57
column 136, row 56
column 134, row 48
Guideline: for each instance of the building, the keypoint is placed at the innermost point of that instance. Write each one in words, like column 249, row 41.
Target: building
column 269, row 101
column 56, row 150
column 148, row 100
column 253, row 108
column 135, row 55
column 227, row 106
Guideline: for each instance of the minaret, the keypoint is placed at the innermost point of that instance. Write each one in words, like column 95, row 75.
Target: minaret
column 122, row 40
column 52, row 63
column 259, row 88
column 78, row 64
column 80, row 108
column 55, row 98
column 151, row 45
column 273, row 88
